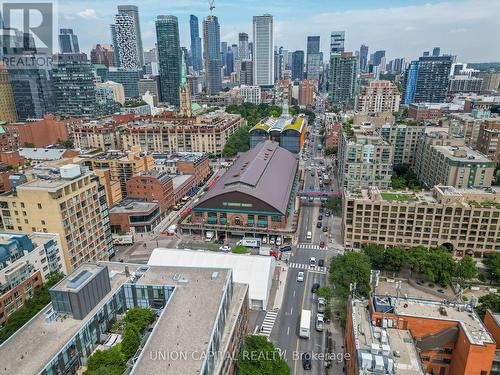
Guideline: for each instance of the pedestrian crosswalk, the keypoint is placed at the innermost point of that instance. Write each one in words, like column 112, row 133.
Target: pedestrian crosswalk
column 268, row 323
column 310, row 246
column 303, row 266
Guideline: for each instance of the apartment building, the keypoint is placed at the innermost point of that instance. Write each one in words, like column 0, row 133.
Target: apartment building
column 463, row 220
column 65, row 201
column 121, row 164
column 283, row 92
column 250, row 94
column 206, row 133
column 195, row 163
column 378, row 96
column 207, row 313
column 465, row 125
column 390, row 335
column 445, row 160
column 26, row 261
column 404, row 138
column 364, row 159
column 489, row 139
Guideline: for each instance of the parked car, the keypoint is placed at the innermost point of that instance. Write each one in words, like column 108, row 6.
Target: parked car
column 321, row 263
column 321, row 209
column 315, row 287
column 225, row 248
column 322, row 245
column 320, row 322
column 325, row 229
column 264, row 240
column 318, row 224
column 271, row 240
column 320, row 217
column 300, row 277
column 306, row 361
column 321, row 305
column 312, row 261
column 278, row 241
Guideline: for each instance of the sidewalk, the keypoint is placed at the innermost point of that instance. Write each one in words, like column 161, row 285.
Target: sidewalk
column 280, row 292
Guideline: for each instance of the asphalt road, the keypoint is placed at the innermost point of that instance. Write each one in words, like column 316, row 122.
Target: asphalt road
column 298, row 295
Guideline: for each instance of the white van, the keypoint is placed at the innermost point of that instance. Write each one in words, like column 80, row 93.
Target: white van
column 312, row 261
column 308, row 236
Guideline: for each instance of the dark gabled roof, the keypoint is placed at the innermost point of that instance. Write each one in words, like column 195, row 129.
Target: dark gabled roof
column 266, row 172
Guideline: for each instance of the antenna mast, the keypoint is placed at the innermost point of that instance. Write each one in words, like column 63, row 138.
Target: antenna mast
column 211, row 6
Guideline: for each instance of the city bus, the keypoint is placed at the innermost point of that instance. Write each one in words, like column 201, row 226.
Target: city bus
column 305, row 324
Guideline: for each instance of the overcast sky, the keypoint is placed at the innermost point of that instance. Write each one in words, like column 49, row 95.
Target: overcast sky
column 469, row 29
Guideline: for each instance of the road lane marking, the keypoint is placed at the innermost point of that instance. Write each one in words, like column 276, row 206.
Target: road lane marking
column 291, row 311
column 302, row 308
column 288, row 331
column 294, row 293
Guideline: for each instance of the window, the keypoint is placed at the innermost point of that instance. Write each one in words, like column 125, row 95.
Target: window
column 43, row 222
column 39, row 206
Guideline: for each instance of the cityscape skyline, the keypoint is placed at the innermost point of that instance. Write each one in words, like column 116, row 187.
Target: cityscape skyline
column 371, row 24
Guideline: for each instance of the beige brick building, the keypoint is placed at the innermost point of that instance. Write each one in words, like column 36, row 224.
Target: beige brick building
column 464, row 220
column 441, row 159
column 364, row 159
column 74, row 207
column 489, row 139
column 378, row 96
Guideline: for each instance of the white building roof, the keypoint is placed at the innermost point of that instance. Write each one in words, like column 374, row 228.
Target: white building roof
column 42, row 153
column 255, row 270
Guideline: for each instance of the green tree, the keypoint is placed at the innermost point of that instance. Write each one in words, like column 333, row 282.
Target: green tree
column 417, row 258
column 492, row 264
column 139, row 317
column 376, row 253
column 324, row 292
column 110, row 360
column 350, row 268
column 331, row 150
column 65, row 143
column 490, row 301
column 334, row 204
column 131, row 340
column 394, row 259
column 29, row 145
column 440, row 266
column 466, row 268
column 260, row 357
column 239, row 249
column 239, row 141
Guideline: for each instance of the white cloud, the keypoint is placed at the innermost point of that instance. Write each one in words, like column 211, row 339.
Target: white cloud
column 88, row 14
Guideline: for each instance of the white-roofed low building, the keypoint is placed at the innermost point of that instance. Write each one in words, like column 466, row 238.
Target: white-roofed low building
column 255, row 270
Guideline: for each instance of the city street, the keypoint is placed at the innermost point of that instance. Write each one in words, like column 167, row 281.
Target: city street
column 298, row 295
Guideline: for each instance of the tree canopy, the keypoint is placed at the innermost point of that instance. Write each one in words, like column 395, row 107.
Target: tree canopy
column 260, row 357
column 239, row 141
column 490, row 301
column 350, row 268
column 492, row 264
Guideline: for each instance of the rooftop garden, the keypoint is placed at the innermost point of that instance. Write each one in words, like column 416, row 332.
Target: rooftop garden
column 134, row 103
column 398, row 197
column 487, row 204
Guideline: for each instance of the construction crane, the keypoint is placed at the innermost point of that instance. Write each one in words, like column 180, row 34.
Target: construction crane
column 211, row 6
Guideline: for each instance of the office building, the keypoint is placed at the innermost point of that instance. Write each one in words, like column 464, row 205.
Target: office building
column 288, row 131
column 150, row 84
column 363, row 58
column 196, row 56
column 404, row 139
column 427, row 80
column 298, row 65
column 365, row 159
column 343, row 78
column 74, row 87
column 399, row 65
column 152, row 186
column 8, row 111
column 337, row 39
column 488, row 141
column 133, row 12
column 169, row 58
column 491, row 80
column 313, row 58
column 123, row 165
column 128, row 78
column 26, row 262
column 114, row 41
column 134, row 216
column 436, row 51
column 378, row 96
column 306, row 93
column 229, row 63
column 126, row 42
column 243, row 49
column 443, row 159
column 110, row 91
column 253, row 198
column 246, row 72
column 207, row 313
column 103, row 54
column 263, row 50
column 212, row 54
column 465, row 125
column 250, row 94
column 76, row 203
column 151, row 56
column 68, row 42
column 184, row 163
column 388, row 334
column 376, row 58
column 440, row 217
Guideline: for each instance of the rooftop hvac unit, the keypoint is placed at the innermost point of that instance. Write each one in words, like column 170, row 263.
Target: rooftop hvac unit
column 374, row 348
column 70, row 171
column 366, row 361
column 379, row 364
column 386, row 349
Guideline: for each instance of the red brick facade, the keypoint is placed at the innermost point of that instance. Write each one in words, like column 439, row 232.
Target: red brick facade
column 151, row 188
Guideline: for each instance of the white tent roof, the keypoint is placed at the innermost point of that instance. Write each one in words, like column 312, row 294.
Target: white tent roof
column 255, row 270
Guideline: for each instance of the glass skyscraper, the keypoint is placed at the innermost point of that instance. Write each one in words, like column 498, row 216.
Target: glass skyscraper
column 313, row 58
column 133, row 12
column 211, row 50
column 68, row 42
column 195, row 43
column 263, row 50
column 298, row 65
column 169, row 58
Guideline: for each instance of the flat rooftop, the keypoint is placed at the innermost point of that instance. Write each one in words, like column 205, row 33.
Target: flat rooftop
column 78, row 278
column 180, row 179
column 366, row 336
column 455, row 153
column 185, row 324
column 131, row 206
column 51, row 183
